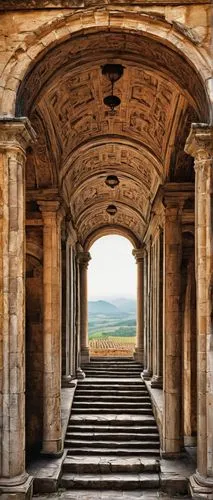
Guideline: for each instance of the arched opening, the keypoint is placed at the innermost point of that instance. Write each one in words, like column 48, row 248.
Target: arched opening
column 80, row 143
column 112, row 298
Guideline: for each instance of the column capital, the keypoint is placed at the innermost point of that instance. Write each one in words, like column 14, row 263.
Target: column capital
column 49, row 205
column 176, row 194
column 50, row 208
column 138, row 253
column 16, row 133
column 199, row 143
column 83, row 259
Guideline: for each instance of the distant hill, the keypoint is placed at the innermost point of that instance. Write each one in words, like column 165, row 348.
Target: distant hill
column 101, row 307
column 125, row 305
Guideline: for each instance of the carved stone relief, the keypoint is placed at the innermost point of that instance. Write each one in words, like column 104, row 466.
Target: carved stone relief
column 69, row 54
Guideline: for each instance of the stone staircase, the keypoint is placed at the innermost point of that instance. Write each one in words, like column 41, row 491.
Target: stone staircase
column 112, row 439
column 112, row 367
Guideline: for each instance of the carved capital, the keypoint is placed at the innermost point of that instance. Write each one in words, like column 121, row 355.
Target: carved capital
column 51, row 210
column 49, row 206
column 83, row 259
column 138, row 253
column 199, row 143
column 16, row 134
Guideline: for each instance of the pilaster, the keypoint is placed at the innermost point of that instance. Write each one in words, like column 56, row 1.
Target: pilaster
column 200, row 145
column 15, row 136
column 51, row 214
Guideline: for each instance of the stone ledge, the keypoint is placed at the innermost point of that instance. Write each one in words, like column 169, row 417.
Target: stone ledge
column 156, row 396
column 175, row 474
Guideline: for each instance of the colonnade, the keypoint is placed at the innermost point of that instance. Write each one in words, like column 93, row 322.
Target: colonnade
column 159, row 308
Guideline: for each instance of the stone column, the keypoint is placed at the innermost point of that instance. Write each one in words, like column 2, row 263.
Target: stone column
column 83, row 261
column 147, row 372
column 52, row 442
column 200, row 145
column 139, row 350
column 172, row 329
column 15, row 135
column 157, row 378
column 66, row 369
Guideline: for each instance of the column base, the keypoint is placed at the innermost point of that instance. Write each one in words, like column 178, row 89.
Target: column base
column 67, row 381
column 201, row 487
column 139, row 355
column 18, row 488
column 80, row 375
column 157, row 382
column 84, row 356
column 146, row 374
column 52, row 448
column 172, row 448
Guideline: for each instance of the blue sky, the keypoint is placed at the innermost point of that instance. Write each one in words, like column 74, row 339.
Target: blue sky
column 112, row 270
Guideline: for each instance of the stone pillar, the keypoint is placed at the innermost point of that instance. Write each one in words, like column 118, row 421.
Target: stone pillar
column 52, row 442
column 15, row 135
column 83, row 260
column 200, row 145
column 66, row 370
column 157, row 378
column 172, row 342
column 139, row 350
column 147, row 372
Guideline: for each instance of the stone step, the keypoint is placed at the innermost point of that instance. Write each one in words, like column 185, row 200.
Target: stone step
column 115, row 366
column 111, row 387
column 134, row 429
column 117, row 411
column 108, row 405
column 122, row 481
column 110, row 375
column 129, row 451
column 107, row 436
column 113, row 382
column 114, row 392
column 111, row 398
column 111, row 358
column 112, row 419
column 110, row 369
column 78, row 443
column 106, row 464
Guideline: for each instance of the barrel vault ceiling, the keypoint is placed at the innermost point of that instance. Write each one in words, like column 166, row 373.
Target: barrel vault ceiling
column 80, row 141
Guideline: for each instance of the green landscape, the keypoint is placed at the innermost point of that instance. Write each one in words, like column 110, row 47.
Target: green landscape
column 112, row 327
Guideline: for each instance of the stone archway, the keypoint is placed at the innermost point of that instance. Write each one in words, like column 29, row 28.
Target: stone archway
column 164, row 88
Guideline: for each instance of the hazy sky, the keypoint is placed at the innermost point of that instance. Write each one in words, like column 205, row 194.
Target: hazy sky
column 112, row 270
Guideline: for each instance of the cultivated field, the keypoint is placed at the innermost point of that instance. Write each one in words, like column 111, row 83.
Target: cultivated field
column 112, row 346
